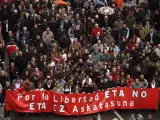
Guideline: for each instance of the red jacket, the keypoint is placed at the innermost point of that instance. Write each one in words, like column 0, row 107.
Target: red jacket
column 95, row 30
column 129, row 83
column 11, row 49
column 114, row 76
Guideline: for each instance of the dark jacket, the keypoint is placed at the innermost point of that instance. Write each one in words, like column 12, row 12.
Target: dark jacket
column 20, row 62
column 48, row 88
column 110, row 84
column 150, row 85
column 155, row 39
column 134, row 31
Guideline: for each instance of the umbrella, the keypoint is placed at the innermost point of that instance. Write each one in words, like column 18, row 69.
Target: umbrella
column 100, row 3
column 106, row 11
column 61, row 2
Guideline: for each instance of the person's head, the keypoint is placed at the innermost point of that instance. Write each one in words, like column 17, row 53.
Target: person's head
column 140, row 25
column 33, row 59
column 25, row 29
column 147, row 22
column 58, row 85
column 151, row 30
column 18, row 80
column 110, row 78
column 35, row 26
column 96, row 25
column 39, row 85
column 47, row 29
column 137, row 81
column 20, row 53
column 44, row 57
column 127, row 65
column 49, row 81
column 92, row 20
column 158, row 46
column 112, row 44
column 30, row 6
column 96, row 16
column 136, row 112
column 98, row 42
column 75, row 40
column 36, row 70
column 128, row 76
column 13, row 5
column 79, row 21
column 28, row 66
column 87, row 77
column 6, row 21
column 141, row 76
column 101, row 80
column 41, row 44
column 95, row 50
column 105, row 52
column 10, row 33
column 16, row 12
column 137, row 10
column 77, row 15
column 157, row 12
column 83, row 10
column 133, row 48
column 153, row 81
column 66, row 86
column 17, row 49
column 77, row 27
column 86, row 51
column 149, row 117
column 124, row 25
column 77, row 87
column 114, row 69
column 80, row 60
column 12, row 64
column 106, row 17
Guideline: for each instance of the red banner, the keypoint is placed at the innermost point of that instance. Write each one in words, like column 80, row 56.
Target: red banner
column 80, row 104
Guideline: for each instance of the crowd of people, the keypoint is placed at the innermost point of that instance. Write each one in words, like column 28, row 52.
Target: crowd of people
column 73, row 48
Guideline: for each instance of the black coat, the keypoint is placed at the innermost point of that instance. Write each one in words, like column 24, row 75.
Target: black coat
column 135, row 55
column 48, row 88
column 150, row 85
column 101, row 86
column 3, row 80
column 60, row 33
column 136, row 73
column 134, row 31
column 150, row 73
column 88, row 89
column 155, row 38
column 13, row 74
column 110, row 84
column 156, row 21
column 35, row 32
column 20, row 63
column 153, row 4
column 40, row 64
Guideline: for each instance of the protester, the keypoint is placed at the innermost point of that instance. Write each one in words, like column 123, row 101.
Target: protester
column 136, row 116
